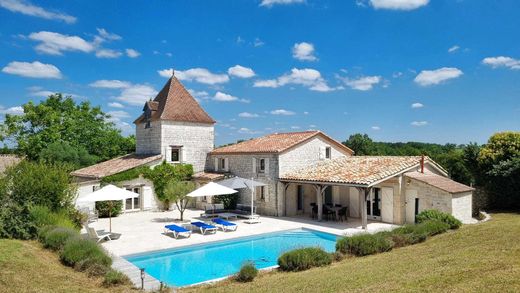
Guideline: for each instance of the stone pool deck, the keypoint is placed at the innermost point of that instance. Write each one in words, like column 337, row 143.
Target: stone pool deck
column 143, row 231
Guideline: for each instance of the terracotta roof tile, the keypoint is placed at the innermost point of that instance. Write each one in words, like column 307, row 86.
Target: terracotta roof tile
column 208, row 176
column 274, row 143
column 355, row 170
column 440, row 182
column 115, row 166
column 175, row 103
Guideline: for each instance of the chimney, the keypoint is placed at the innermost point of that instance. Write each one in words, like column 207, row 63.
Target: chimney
column 422, row 164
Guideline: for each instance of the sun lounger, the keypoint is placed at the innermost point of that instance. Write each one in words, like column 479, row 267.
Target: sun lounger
column 203, row 227
column 92, row 233
column 177, row 231
column 225, row 225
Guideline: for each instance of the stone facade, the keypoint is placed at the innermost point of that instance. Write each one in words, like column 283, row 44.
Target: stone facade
column 195, row 140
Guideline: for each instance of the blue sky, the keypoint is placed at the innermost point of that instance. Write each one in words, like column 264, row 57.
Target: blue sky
column 398, row 70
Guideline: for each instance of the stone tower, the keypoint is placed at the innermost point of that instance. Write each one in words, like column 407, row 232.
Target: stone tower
column 175, row 125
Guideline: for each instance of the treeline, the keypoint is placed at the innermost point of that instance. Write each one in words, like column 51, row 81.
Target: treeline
column 492, row 168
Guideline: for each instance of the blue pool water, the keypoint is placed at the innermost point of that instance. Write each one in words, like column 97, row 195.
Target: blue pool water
column 200, row 263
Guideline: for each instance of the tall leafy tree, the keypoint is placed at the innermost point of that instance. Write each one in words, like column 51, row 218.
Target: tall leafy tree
column 361, row 144
column 176, row 191
column 60, row 119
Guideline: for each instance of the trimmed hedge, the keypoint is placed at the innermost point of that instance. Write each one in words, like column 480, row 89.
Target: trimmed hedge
column 427, row 215
column 82, row 253
column 364, row 244
column 247, row 272
column 56, row 238
column 304, row 258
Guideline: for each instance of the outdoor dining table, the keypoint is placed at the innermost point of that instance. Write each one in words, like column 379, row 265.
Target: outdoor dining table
column 336, row 210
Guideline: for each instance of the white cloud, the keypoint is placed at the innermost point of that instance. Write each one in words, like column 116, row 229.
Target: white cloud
column 116, row 105
column 27, row 8
column 304, row 51
column 41, row 93
column 118, row 114
column 282, row 112
column 364, row 83
column 241, row 71
column 417, row 105
column 502, row 61
column 295, row 127
column 108, row 53
column 270, row 3
column 307, row 77
column 258, row 43
column 55, row 43
column 137, row 94
column 223, row 97
column 132, row 53
column 419, row 123
column 453, row 49
column 110, row 84
column 433, row 77
column 18, row 110
column 201, row 75
column 198, row 94
column 398, row 4
column 35, row 69
column 272, row 83
column 248, row 115
column 375, row 128
column 104, row 35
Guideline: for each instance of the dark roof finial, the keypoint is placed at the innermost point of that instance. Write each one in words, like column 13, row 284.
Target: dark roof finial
column 173, row 72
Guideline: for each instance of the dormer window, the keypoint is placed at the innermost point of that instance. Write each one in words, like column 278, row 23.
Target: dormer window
column 148, row 118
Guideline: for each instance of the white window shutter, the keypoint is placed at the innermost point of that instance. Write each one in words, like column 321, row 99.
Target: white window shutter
column 226, row 164
column 182, row 155
column 322, row 152
column 254, row 165
column 266, row 160
column 215, row 160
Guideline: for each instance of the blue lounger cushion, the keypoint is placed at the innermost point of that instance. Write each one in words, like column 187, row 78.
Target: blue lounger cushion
column 176, row 228
column 223, row 222
column 203, row 225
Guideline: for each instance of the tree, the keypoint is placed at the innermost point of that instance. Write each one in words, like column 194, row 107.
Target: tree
column 361, row 144
column 499, row 161
column 59, row 119
column 63, row 152
column 176, row 192
column 162, row 174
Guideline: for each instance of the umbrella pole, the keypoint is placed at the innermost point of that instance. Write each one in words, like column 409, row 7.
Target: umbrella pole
column 110, row 216
column 252, row 198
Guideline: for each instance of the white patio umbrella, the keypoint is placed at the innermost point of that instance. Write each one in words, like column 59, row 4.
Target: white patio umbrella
column 108, row 193
column 211, row 189
column 239, row 183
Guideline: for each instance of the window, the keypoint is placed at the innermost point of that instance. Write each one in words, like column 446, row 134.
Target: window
column 222, row 164
column 300, row 198
column 328, row 152
column 261, row 193
column 148, row 118
column 261, row 167
column 133, row 203
column 175, row 155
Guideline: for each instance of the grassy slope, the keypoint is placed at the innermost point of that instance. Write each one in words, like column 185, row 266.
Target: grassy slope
column 26, row 267
column 476, row 258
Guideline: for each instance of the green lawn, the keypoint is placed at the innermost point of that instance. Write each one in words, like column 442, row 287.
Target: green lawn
column 476, row 258
column 26, row 267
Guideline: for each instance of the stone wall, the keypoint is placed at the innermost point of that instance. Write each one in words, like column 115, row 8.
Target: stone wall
column 308, row 154
column 196, row 139
column 148, row 140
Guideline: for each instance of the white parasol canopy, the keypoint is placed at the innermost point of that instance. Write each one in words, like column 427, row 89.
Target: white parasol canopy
column 211, row 189
column 240, row 183
column 108, row 193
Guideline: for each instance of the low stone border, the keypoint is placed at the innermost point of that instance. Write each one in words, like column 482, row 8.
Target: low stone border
column 487, row 217
column 134, row 274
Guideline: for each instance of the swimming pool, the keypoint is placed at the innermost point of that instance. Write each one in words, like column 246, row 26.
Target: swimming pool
column 200, row 263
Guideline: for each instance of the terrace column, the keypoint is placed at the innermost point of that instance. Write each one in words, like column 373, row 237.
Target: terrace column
column 319, row 200
column 364, row 193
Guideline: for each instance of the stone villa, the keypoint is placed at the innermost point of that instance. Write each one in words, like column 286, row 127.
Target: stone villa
column 298, row 168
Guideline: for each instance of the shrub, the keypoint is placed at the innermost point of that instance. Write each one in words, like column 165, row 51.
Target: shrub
column 42, row 232
column 103, row 208
column 115, row 278
column 364, row 244
column 401, row 240
column 87, row 252
column 56, row 238
column 15, row 221
column 338, row 256
column 432, row 227
column 43, row 216
column 439, row 216
column 92, row 269
column 247, row 272
column 304, row 258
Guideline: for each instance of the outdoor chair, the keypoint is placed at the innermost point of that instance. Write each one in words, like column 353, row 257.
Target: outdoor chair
column 204, row 228
column 342, row 213
column 93, row 234
column 224, row 225
column 314, row 211
column 177, row 231
column 328, row 213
